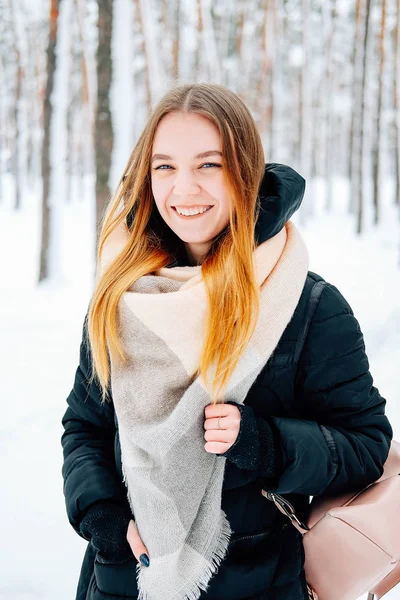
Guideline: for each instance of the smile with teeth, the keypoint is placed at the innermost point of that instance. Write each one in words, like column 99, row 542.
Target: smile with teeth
column 191, row 212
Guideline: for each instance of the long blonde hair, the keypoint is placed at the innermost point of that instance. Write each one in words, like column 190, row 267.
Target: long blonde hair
column 227, row 269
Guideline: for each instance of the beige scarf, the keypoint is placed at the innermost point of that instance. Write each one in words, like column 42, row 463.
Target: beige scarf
column 174, row 485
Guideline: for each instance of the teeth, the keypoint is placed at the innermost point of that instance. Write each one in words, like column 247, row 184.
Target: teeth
column 191, row 211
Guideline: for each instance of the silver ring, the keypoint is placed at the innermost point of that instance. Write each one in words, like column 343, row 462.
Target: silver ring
column 219, row 427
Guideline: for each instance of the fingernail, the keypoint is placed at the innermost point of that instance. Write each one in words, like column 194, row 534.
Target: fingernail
column 144, row 559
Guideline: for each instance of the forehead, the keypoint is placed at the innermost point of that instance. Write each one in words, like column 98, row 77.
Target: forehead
column 186, row 131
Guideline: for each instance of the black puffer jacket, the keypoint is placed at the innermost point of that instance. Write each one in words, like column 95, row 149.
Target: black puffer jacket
column 309, row 426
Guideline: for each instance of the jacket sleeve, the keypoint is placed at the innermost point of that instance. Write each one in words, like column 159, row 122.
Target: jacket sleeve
column 89, row 470
column 343, row 439
column 256, row 452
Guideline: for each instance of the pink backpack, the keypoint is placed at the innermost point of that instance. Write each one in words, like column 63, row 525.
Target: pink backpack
column 352, row 541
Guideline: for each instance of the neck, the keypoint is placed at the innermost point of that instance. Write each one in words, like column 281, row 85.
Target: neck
column 195, row 255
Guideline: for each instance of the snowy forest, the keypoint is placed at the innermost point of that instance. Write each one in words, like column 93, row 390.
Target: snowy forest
column 78, row 79
column 320, row 77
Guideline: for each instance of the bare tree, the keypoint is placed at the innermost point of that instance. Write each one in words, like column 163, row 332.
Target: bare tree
column 145, row 53
column 305, row 95
column 86, row 118
column 71, row 106
column 329, row 146
column 396, row 104
column 209, row 46
column 176, row 46
column 361, row 179
column 239, row 40
column 16, row 154
column 273, row 42
column 355, row 113
column 359, row 106
column 104, row 137
column 47, row 123
column 264, row 95
column 376, row 150
column 35, row 84
column 199, row 38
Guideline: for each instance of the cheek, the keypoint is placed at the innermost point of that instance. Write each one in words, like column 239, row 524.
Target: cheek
column 160, row 194
column 218, row 191
column 221, row 193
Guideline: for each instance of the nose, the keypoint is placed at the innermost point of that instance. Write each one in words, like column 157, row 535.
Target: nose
column 185, row 185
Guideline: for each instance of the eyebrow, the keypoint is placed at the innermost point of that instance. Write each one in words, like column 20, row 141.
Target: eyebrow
column 201, row 155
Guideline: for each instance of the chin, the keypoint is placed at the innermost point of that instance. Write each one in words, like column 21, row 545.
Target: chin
column 195, row 240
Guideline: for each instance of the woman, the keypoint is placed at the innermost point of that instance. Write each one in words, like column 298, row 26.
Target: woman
column 199, row 269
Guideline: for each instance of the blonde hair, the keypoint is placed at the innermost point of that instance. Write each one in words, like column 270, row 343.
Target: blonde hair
column 227, row 269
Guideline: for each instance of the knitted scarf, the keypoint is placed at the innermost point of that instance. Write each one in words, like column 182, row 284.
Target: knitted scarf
column 174, row 485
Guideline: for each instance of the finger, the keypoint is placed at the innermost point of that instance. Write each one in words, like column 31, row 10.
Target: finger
column 217, row 410
column 231, row 422
column 135, row 541
column 214, row 435
column 217, row 447
column 224, row 422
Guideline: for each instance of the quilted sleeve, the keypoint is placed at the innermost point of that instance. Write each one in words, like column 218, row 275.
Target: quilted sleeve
column 343, row 439
column 89, row 470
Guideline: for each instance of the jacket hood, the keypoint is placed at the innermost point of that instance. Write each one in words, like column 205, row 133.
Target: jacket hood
column 281, row 193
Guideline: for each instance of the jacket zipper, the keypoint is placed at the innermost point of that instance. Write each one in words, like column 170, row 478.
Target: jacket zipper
column 256, row 535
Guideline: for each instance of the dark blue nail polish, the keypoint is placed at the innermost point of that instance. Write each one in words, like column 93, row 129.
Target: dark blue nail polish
column 144, row 559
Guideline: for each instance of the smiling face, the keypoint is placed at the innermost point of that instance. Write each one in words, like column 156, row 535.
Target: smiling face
column 187, row 175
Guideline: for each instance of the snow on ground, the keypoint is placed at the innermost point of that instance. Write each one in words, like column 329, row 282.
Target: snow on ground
column 40, row 329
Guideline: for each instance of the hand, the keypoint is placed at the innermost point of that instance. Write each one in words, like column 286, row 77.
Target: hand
column 135, row 541
column 104, row 524
column 220, row 440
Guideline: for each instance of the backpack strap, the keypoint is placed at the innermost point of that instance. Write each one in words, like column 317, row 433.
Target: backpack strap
column 313, row 299
column 280, row 502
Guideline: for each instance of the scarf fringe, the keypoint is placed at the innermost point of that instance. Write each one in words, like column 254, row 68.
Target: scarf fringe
column 202, row 584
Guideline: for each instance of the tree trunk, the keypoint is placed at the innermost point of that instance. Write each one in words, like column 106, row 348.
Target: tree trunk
column 87, row 116
column 263, row 104
column 330, row 147
column 225, row 37
column 361, row 189
column 144, row 50
column 175, row 46
column 239, row 43
column 376, row 150
column 354, row 126
column 71, row 106
column 397, row 106
column 199, row 40
column 210, row 47
column 103, row 122
column 47, row 123
column 16, row 155
column 32, row 115
column 275, row 32
column 305, row 95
